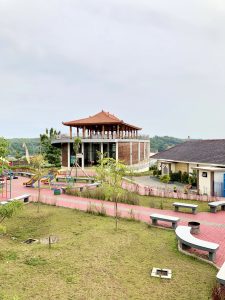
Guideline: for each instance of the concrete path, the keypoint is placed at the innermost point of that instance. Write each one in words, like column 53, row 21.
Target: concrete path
column 212, row 225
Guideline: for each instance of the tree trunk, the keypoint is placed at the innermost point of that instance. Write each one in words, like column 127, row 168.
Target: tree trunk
column 39, row 195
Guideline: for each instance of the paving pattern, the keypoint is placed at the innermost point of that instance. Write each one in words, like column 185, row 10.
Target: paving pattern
column 212, row 225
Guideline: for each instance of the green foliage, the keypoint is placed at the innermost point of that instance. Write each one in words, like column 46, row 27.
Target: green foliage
column 76, row 145
column 2, row 229
column 51, row 154
column 165, row 179
column 159, row 143
column 193, row 178
column 184, row 177
column 157, row 173
column 4, row 147
column 16, row 147
column 8, row 210
column 35, row 261
column 176, row 176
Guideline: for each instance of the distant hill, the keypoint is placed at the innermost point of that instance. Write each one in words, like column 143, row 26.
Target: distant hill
column 161, row 143
column 16, row 146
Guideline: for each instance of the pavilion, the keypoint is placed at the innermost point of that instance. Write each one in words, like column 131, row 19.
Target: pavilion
column 104, row 133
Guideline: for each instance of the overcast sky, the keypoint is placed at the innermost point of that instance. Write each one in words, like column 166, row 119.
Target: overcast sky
column 157, row 64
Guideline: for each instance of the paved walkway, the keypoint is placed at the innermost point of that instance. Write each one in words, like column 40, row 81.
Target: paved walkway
column 212, row 225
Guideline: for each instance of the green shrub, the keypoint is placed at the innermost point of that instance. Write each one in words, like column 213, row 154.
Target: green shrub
column 104, row 194
column 165, row 178
column 185, row 177
column 35, row 261
column 2, row 229
column 176, row 176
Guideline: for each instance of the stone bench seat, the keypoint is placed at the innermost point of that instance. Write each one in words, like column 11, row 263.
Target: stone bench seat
column 187, row 240
column 193, row 207
column 214, row 205
column 24, row 197
column 158, row 217
column 221, row 275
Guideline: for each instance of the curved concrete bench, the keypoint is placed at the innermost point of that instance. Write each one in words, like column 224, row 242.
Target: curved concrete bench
column 213, row 206
column 187, row 240
column 221, row 275
column 185, row 205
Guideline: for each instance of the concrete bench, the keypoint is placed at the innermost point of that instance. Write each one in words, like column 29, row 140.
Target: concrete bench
column 214, row 205
column 157, row 217
column 187, row 240
column 221, row 275
column 185, row 205
column 24, row 198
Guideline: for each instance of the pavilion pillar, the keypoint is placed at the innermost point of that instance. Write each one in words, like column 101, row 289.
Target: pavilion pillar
column 102, row 154
column 107, row 149
column 77, row 131
column 68, row 156
column 118, row 132
column 82, row 149
column 139, row 151
column 117, row 151
column 108, row 133
column 103, row 131
column 84, row 128
column 71, row 133
column 90, row 133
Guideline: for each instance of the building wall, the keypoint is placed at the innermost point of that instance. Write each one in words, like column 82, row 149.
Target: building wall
column 65, row 155
column 204, row 182
column 135, row 153
column 124, row 152
column 181, row 167
column 142, row 151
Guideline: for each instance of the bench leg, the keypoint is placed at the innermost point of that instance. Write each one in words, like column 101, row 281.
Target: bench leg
column 184, row 247
column 212, row 256
column 222, row 207
column 154, row 222
column 213, row 209
column 174, row 225
column 176, row 208
column 194, row 211
column 26, row 200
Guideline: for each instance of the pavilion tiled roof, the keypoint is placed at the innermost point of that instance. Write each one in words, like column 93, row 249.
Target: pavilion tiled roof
column 101, row 118
column 196, row 151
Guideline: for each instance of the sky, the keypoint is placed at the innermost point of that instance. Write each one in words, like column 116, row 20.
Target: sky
column 157, row 64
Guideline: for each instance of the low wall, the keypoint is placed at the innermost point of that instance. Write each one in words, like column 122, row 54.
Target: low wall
column 165, row 193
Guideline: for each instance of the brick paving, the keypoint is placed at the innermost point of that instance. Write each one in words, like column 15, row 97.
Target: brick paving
column 212, row 225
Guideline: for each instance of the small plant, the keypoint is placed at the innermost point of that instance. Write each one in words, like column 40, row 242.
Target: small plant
column 2, row 230
column 174, row 189
column 35, row 261
column 165, row 179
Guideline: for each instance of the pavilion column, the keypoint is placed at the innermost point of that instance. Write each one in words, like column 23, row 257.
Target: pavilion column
column 102, row 154
column 117, row 151
column 108, row 133
column 84, row 128
column 68, row 155
column 118, row 132
column 82, row 149
column 77, row 131
column 139, row 151
column 90, row 133
column 103, row 131
column 71, row 133
column 107, row 149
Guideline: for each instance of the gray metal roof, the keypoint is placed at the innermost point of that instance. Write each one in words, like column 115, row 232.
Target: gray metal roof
column 197, row 151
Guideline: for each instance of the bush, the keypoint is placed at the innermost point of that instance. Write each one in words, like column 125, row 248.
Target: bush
column 185, row 177
column 101, row 193
column 2, row 229
column 218, row 292
column 176, row 176
column 165, row 178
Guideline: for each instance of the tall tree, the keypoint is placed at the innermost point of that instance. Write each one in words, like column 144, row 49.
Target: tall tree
column 111, row 172
column 4, row 147
column 51, row 154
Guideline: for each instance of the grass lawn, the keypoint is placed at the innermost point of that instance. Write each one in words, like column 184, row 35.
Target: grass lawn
column 167, row 203
column 92, row 261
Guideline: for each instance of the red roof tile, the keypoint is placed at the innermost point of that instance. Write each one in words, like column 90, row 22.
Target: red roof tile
column 101, row 118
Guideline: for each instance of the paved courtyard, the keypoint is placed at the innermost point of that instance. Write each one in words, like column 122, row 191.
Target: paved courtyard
column 212, row 225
